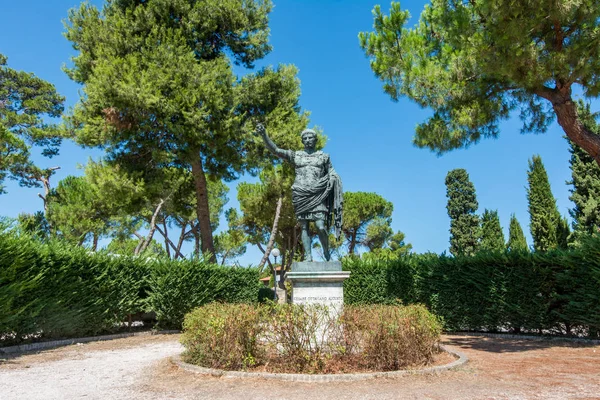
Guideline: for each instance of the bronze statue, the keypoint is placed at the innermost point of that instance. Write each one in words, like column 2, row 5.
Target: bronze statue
column 317, row 190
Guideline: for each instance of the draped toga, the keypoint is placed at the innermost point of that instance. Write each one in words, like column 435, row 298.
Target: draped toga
column 317, row 190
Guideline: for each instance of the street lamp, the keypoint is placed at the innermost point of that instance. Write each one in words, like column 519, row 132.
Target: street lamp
column 275, row 253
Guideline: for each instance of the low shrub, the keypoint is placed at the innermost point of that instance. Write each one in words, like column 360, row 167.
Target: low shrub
column 310, row 339
column 224, row 335
column 391, row 337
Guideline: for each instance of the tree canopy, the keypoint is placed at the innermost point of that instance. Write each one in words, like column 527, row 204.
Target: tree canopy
column 361, row 209
column 516, row 237
column 543, row 213
column 462, row 207
column 159, row 89
column 492, row 237
column 24, row 102
column 475, row 62
column 585, row 179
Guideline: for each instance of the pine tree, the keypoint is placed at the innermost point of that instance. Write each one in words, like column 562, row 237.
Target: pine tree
column 492, row 237
column 462, row 208
column 543, row 213
column 585, row 179
column 159, row 84
column 516, row 237
column 473, row 62
column 25, row 102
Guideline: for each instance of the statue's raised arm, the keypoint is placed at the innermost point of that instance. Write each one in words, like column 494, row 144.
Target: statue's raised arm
column 281, row 153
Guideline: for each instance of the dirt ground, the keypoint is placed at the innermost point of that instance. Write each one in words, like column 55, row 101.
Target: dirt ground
column 139, row 368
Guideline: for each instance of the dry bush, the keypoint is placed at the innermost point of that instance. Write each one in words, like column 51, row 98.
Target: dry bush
column 310, row 339
column 388, row 338
column 224, row 336
column 304, row 336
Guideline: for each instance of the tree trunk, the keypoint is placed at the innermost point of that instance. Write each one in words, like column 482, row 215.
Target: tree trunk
column 202, row 210
column 579, row 134
column 352, row 242
column 196, row 240
column 177, row 250
column 294, row 248
column 182, row 237
column 152, row 228
column 166, row 235
column 273, row 233
column 95, row 241
column 568, row 119
column 268, row 261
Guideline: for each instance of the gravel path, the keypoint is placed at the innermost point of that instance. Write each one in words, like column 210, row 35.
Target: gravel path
column 137, row 368
column 82, row 371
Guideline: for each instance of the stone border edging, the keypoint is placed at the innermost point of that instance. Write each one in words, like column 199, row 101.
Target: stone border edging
column 462, row 359
column 22, row 348
column 527, row 337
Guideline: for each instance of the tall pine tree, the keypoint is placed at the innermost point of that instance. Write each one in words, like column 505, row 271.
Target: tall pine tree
column 543, row 213
column 585, row 179
column 516, row 237
column 462, row 208
column 492, row 237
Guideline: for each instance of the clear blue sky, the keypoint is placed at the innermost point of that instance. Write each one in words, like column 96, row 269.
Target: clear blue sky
column 369, row 135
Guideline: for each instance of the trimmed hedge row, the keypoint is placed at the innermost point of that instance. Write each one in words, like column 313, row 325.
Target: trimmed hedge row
column 52, row 290
column 554, row 291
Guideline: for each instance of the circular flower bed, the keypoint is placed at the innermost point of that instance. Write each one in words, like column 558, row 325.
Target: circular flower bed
column 310, row 339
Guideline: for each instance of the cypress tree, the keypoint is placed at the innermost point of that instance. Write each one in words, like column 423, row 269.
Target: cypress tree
column 516, row 237
column 562, row 233
column 492, row 237
column 543, row 214
column 585, row 174
column 462, row 208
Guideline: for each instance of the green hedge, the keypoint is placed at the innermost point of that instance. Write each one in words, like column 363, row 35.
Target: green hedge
column 556, row 291
column 49, row 290
column 53, row 290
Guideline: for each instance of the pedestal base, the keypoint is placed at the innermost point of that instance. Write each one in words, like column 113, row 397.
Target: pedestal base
column 318, row 283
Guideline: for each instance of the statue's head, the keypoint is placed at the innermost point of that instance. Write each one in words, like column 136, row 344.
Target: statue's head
column 309, row 138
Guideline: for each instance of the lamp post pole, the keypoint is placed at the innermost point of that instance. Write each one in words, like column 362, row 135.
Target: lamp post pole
column 275, row 253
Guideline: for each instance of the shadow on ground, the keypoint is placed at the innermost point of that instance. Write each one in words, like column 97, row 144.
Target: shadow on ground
column 510, row 345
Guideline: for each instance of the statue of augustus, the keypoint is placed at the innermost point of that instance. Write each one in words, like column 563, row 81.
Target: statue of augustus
column 317, row 190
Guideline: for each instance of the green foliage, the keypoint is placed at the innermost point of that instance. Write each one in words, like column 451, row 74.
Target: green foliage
column 585, row 178
column 159, row 84
column 24, row 101
column 258, row 202
column 462, row 207
column 563, row 232
column 492, row 237
column 361, row 209
column 177, row 287
column 516, row 237
column 51, row 290
column 543, row 213
column 231, row 243
column 291, row 338
column 35, row 225
column 98, row 204
column 126, row 247
column 474, row 62
column 555, row 291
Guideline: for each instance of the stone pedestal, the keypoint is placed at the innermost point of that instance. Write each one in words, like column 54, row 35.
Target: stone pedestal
column 318, row 283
